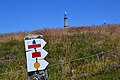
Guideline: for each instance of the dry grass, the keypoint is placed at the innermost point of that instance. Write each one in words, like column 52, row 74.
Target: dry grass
column 65, row 45
column 47, row 33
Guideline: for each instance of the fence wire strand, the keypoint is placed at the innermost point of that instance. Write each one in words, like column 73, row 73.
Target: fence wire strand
column 66, row 62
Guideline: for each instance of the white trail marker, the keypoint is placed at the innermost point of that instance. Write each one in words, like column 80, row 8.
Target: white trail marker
column 35, row 54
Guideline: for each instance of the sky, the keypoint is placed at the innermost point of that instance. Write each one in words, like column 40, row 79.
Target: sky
column 28, row 15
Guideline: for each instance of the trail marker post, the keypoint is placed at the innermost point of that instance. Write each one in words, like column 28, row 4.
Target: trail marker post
column 35, row 54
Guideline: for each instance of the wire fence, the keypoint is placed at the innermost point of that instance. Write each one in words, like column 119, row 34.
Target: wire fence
column 66, row 62
column 62, row 62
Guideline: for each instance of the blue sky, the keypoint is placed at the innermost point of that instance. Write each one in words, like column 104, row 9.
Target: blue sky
column 28, row 15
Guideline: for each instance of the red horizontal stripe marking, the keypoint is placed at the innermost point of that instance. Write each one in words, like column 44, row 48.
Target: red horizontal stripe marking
column 36, row 54
column 34, row 46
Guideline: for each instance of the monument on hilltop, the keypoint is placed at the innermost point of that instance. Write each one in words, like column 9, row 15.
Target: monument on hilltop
column 65, row 20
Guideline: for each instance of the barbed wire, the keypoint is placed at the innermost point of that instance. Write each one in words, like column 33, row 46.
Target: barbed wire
column 66, row 62
column 12, row 72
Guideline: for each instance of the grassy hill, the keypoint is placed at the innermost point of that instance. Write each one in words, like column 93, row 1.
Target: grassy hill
column 77, row 53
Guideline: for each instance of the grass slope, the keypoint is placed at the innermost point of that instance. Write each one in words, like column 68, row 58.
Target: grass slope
column 81, row 53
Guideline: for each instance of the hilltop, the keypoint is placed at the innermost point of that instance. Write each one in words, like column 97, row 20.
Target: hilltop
column 76, row 53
